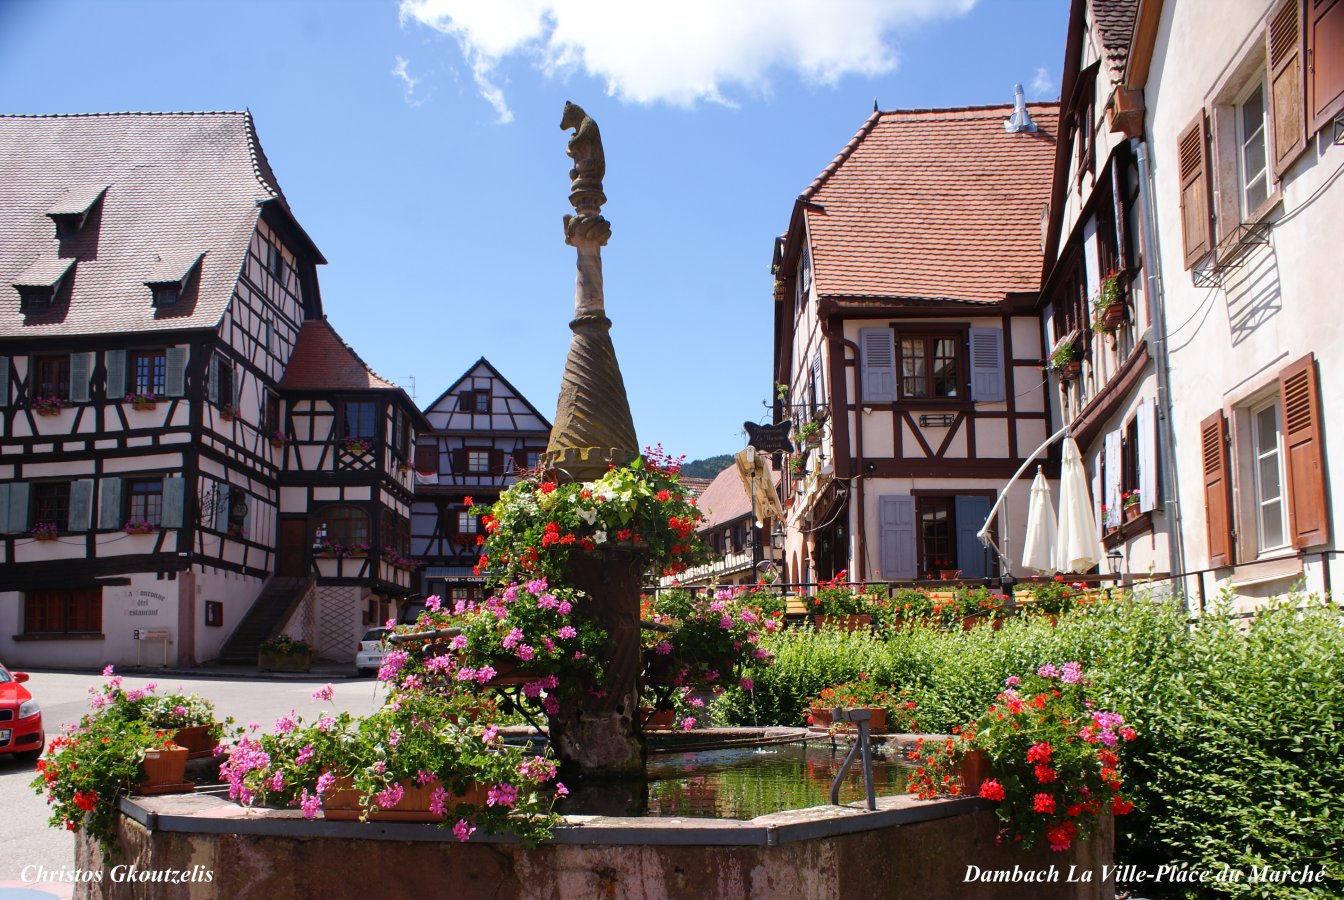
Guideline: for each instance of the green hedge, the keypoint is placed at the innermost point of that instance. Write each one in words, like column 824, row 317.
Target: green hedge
column 1239, row 761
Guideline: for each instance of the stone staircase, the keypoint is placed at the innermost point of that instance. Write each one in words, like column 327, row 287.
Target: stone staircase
column 269, row 610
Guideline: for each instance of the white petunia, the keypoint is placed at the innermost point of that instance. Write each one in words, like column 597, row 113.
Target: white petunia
column 588, row 515
column 600, row 537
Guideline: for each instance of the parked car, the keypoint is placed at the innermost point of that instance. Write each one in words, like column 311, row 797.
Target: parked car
column 20, row 718
column 369, row 657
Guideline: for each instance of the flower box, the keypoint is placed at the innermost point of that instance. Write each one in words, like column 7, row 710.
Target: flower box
column 293, row 661
column 1111, row 317
column 144, row 404
column 947, row 574
column 1132, row 512
column 509, row 672
column 877, row 721
column 343, row 803
column 1070, row 370
column 969, row 622
column 844, row 623
column 198, row 740
column 277, row 442
column 657, row 719
column 47, row 410
column 165, row 772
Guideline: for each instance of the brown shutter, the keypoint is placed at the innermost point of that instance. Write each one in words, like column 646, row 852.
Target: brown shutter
column 1196, row 225
column 1304, row 461
column 1217, row 489
column 427, row 459
column 459, row 460
column 1283, row 40
column 496, row 462
column 1325, row 62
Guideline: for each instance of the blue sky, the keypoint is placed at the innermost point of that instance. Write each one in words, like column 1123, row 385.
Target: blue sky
column 419, row 145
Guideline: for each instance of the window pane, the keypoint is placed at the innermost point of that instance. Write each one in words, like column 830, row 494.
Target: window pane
column 912, row 368
column 1253, row 111
column 1267, row 429
column 945, row 368
column 1271, row 524
column 146, row 501
column 1270, row 488
column 935, row 521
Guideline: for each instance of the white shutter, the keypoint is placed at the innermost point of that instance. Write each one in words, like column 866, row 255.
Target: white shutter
column 987, row 364
column 896, row 518
column 81, row 505
column 175, row 384
column 1146, row 423
column 1096, row 495
column 109, row 503
column 174, row 495
column 222, row 509
column 18, row 506
column 214, row 378
column 4, row 508
column 115, row 386
column 1114, row 475
column 4, row 381
column 81, row 369
column 877, row 349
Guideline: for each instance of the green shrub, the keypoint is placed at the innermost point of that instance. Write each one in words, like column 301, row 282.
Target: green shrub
column 1237, row 761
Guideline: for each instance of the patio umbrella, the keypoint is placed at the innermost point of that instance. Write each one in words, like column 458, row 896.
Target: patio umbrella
column 1038, row 551
column 1078, row 548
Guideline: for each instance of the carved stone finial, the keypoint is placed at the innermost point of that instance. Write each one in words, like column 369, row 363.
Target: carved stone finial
column 590, row 162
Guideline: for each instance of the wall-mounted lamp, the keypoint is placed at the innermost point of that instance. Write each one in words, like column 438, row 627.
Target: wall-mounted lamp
column 1114, row 559
column 777, row 537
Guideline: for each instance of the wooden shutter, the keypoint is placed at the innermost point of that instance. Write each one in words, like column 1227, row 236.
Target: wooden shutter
column 1098, row 480
column 4, row 508
column 877, row 351
column 896, row 517
column 1304, row 459
column 213, row 388
column 18, row 506
column 222, row 509
column 114, row 387
column 109, row 503
column 1325, row 62
column 175, row 382
column 174, row 494
column 81, row 370
column 970, row 513
column 1283, row 49
column 1114, row 478
column 496, row 462
column 986, row 364
column 1196, row 224
column 1217, row 489
column 458, row 458
column 4, row 381
column 1146, row 454
column 81, row 505
column 426, row 458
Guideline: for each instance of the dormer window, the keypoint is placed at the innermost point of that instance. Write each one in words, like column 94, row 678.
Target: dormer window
column 38, row 285
column 168, row 277
column 70, row 212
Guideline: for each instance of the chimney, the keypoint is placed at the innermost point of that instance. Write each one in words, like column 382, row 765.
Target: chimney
column 1020, row 120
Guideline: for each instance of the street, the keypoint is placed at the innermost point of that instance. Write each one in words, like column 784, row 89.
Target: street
column 248, row 697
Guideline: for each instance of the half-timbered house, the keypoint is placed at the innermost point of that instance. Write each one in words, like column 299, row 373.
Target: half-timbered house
column 905, row 334
column 158, row 285
column 482, row 434
column 730, row 532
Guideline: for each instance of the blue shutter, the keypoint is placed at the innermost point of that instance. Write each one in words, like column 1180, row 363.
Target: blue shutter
column 173, row 496
column 81, row 370
column 214, row 378
column 222, row 509
column 109, row 503
column 18, row 506
column 4, row 508
column 877, row 351
column 972, row 556
column 1146, row 454
column 896, row 517
column 4, row 381
column 175, row 383
column 115, row 385
column 987, row 364
column 81, row 504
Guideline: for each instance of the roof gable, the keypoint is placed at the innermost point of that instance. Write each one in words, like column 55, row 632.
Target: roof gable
column 936, row 204
column 514, row 411
column 322, row 361
column 155, row 186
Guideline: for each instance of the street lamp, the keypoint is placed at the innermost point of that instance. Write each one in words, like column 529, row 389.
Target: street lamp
column 777, row 536
column 1114, row 559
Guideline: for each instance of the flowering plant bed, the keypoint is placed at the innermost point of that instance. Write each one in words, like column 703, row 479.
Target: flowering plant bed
column 1054, row 758
column 228, row 412
column 1056, row 595
column 639, row 510
column 356, row 446
column 114, row 748
column 285, row 654
column 912, row 604
column 398, row 560
column 45, row 531
column 897, row 709
column 708, row 635
column 142, row 400
column 980, row 604
column 421, row 757
column 837, row 598
column 341, row 551
column 140, row 526
column 47, row 406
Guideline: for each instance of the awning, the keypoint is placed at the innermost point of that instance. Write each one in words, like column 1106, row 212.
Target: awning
column 1038, row 548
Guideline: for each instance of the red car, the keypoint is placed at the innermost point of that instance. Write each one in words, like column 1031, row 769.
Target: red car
column 20, row 718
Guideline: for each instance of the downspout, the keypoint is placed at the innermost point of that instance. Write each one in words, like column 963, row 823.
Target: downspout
column 1158, row 349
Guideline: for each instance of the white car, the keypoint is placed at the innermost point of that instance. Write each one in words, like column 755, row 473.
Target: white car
column 369, row 657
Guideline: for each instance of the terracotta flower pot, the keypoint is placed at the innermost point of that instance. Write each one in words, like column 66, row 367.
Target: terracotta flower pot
column 969, row 622
column 947, row 574
column 198, row 740
column 844, row 623
column 342, row 803
column 974, row 770
column 877, row 721
column 657, row 719
column 165, row 772
column 1131, row 512
column 1071, row 370
column 1113, row 316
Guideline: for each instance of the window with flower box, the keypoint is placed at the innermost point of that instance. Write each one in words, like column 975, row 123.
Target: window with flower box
column 51, row 503
column 346, row 525
column 148, row 372
column 51, row 377
column 144, row 500
column 359, row 419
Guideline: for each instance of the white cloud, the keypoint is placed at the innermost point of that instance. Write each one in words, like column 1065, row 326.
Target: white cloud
column 408, row 82
column 1042, row 85
column 678, row 53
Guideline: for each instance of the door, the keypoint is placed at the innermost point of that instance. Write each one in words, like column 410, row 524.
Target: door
column 293, row 555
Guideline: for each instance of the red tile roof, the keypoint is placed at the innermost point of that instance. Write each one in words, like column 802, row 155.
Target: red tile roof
column 177, row 184
column 1115, row 28
column 933, row 204
column 321, row 361
column 725, row 500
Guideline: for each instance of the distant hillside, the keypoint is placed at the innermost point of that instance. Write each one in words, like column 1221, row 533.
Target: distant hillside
column 707, row 468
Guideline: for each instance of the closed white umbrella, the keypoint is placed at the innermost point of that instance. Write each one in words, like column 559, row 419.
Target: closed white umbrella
column 1038, row 551
column 1078, row 548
